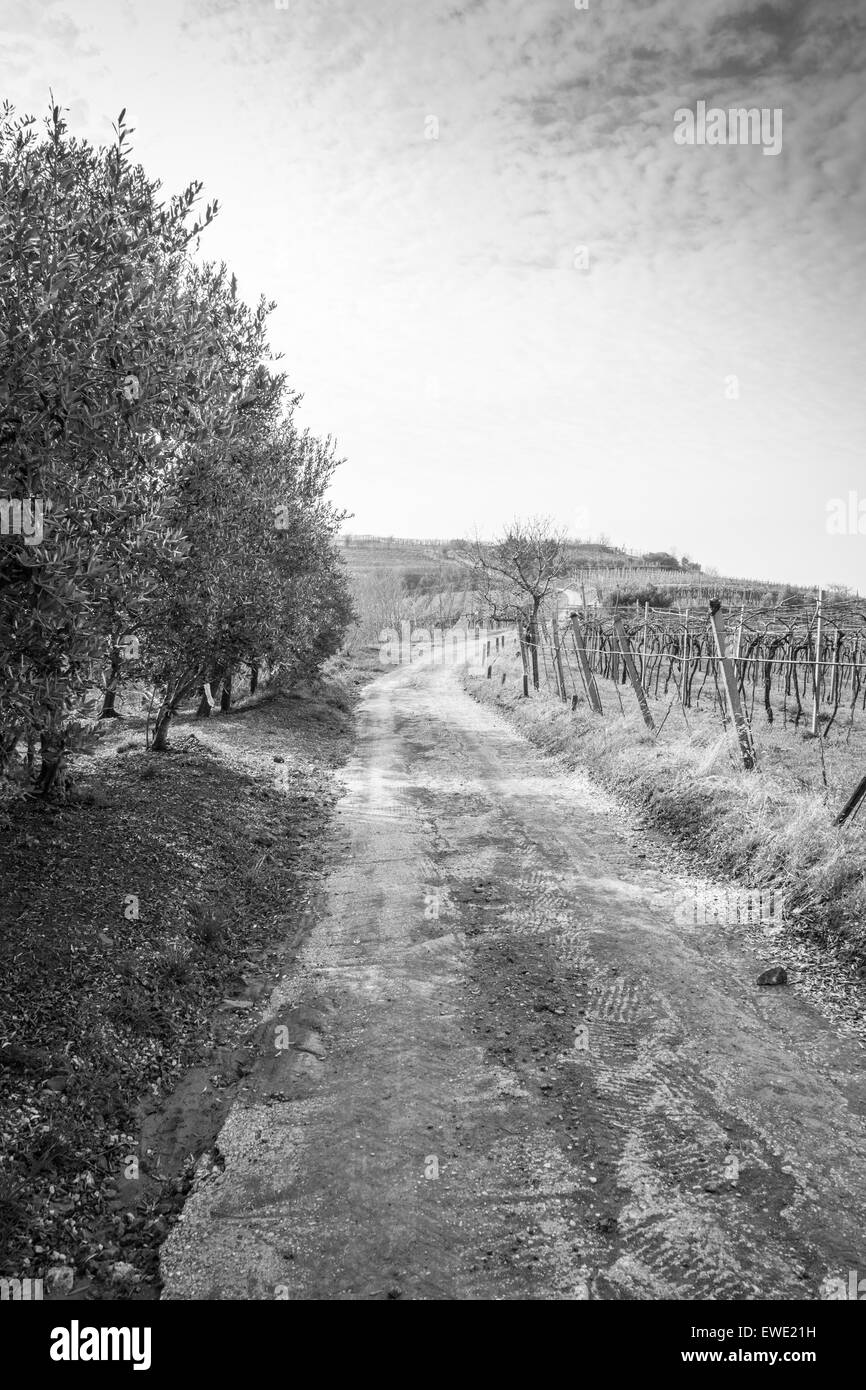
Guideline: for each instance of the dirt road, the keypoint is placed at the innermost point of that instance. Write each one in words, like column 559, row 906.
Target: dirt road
column 501, row 1070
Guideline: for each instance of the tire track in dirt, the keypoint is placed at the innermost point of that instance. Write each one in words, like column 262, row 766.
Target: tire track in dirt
column 508, row 1075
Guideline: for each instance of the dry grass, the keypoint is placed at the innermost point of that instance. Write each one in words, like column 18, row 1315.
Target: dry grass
column 772, row 827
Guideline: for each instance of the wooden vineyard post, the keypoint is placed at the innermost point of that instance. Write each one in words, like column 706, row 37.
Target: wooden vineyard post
column 557, row 656
column 687, row 651
column 548, row 642
column 816, row 673
column 739, row 641
column 853, row 802
column 628, row 660
column 588, row 677
column 542, row 640
column 523, row 657
column 644, row 640
column 530, row 639
column 834, row 670
column 744, row 733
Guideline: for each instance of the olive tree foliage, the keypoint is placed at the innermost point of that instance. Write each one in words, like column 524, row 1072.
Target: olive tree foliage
column 261, row 581
column 199, row 482
column 102, row 355
column 137, row 421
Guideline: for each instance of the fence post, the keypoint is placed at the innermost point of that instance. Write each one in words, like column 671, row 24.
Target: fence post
column 557, row 656
column 644, row 640
column 816, row 674
column 628, row 660
column 687, row 651
column 588, row 677
column 744, row 733
column 739, row 641
column 523, row 657
column 853, row 802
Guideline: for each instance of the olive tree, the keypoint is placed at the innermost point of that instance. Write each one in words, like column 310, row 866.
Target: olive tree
column 109, row 367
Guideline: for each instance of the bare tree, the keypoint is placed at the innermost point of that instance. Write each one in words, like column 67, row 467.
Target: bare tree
column 517, row 570
column 381, row 601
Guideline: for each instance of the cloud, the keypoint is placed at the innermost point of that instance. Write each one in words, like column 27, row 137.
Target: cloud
column 396, row 257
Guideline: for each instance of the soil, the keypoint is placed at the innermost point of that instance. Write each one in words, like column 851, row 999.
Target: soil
column 499, row 1068
column 143, row 919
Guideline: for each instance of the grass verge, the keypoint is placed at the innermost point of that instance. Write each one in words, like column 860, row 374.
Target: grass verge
column 767, row 828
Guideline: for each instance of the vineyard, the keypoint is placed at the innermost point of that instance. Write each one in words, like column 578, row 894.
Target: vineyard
column 789, row 663
column 788, row 683
column 602, row 583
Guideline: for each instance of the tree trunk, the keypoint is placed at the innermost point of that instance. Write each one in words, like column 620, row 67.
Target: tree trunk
column 167, row 710
column 226, row 696
column 108, row 711
column 51, row 749
column 160, row 729
column 205, row 707
column 254, row 677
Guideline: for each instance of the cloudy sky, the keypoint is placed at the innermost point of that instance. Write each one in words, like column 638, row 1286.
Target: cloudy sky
column 501, row 284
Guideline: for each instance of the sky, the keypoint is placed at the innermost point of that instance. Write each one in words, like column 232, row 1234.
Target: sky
column 502, row 285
